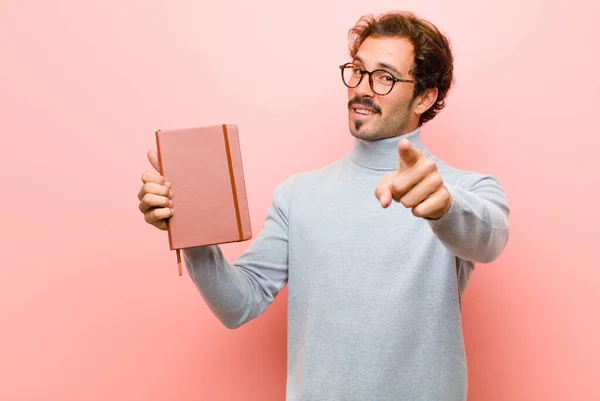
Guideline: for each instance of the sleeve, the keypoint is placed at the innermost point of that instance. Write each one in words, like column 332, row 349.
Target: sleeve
column 475, row 228
column 238, row 292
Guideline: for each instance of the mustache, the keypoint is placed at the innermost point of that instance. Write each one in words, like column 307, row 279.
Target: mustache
column 364, row 101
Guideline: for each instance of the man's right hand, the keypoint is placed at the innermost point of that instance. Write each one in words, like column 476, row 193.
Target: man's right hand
column 155, row 195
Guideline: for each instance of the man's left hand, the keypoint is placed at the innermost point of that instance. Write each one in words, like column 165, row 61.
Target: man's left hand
column 416, row 184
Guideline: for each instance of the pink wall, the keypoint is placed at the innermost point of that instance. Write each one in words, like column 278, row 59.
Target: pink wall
column 91, row 307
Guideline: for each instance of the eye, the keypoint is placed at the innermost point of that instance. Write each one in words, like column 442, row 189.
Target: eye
column 384, row 78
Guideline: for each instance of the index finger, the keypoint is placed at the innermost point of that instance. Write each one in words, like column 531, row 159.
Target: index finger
column 408, row 155
column 149, row 176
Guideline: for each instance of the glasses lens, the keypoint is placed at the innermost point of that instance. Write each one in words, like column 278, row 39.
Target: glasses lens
column 351, row 75
column 382, row 82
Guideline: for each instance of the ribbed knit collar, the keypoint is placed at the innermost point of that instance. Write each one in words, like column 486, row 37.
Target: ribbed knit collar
column 382, row 154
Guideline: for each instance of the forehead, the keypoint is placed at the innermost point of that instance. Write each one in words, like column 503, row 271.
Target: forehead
column 396, row 52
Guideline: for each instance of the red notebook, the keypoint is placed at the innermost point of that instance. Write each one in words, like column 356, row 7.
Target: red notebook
column 204, row 167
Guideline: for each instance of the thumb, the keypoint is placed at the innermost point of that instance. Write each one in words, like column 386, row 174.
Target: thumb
column 153, row 158
column 383, row 192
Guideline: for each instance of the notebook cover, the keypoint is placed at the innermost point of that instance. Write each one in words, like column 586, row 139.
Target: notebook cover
column 204, row 167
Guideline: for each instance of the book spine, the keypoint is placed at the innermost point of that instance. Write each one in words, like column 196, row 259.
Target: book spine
column 233, row 186
column 160, row 164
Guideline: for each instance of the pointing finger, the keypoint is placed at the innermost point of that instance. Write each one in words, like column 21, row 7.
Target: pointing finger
column 408, row 155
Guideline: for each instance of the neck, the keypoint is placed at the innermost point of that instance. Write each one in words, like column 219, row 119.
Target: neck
column 382, row 154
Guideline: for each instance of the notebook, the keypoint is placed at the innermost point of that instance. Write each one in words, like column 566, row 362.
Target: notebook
column 204, row 167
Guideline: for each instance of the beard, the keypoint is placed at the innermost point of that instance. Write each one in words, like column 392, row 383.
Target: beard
column 378, row 125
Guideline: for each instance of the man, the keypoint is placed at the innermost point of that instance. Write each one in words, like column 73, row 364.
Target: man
column 376, row 247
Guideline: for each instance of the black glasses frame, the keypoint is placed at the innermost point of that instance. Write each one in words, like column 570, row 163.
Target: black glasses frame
column 370, row 73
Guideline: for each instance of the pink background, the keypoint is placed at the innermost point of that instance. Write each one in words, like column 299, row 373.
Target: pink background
column 91, row 307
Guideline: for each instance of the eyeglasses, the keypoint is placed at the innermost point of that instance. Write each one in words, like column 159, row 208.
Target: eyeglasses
column 381, row 81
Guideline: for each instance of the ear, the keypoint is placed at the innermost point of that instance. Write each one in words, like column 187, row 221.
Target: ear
column 425, row 100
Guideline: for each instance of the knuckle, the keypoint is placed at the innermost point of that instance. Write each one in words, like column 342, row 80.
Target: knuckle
column 447, row 196
column 405, row 202
column 430, row 165
column 147, row 199
column 162, row 213
column 398, row 186
column 150, row 188
column 156, row 213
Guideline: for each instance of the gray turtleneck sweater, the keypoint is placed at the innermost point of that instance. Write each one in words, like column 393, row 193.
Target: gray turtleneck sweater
column 374, row 295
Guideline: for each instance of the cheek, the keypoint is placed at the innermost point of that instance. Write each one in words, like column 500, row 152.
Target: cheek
column 351, row 93
column 393, row 107
column 400, row 101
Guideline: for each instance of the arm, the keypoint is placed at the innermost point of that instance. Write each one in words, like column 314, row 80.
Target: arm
column 238, row 292
column 475, row 228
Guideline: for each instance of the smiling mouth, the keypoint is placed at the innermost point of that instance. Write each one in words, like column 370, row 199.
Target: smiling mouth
column 363, row 107
column 361, row 113
column 364, row 112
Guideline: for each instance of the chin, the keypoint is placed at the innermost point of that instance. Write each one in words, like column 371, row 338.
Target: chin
column 365, row 132
column 362, row 134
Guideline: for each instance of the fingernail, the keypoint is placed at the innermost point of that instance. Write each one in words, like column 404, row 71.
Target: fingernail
column 170, row 203
column 170, row 194
column 168, row 184
column 172, row 211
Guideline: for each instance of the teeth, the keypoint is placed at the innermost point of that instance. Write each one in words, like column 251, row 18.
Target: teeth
column 363, row 111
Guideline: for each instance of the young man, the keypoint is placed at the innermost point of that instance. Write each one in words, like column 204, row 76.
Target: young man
column 377, row 247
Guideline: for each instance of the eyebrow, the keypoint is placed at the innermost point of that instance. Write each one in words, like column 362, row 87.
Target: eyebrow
column 380, row 65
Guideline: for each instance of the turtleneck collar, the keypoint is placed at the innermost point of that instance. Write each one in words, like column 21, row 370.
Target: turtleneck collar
column 382, row 154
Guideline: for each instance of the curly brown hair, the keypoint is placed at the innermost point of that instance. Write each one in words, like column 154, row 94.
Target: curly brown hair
column 433, row 64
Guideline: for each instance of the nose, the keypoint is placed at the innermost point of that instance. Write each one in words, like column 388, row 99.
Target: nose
column 364, row 88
